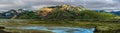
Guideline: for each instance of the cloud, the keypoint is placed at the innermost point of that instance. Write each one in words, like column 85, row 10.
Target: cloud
column 33, row 4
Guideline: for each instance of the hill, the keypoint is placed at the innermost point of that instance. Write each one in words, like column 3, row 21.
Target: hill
column 71, row 12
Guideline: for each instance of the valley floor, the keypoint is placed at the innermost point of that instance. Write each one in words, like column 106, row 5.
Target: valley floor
column 101, row 27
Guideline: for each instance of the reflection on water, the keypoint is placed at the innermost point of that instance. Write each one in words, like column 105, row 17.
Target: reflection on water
column 56, row 29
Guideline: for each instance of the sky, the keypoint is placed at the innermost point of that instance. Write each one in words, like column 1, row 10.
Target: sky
column 35, row 4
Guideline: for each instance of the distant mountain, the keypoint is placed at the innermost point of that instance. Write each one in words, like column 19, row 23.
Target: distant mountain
column 113, row 12
column 12, row 14
column 99, row 10
column 117, row 13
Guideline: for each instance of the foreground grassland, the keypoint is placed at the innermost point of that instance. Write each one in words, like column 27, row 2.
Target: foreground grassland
column 101, row 27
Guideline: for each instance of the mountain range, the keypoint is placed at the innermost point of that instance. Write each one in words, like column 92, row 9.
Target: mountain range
column 113, row 12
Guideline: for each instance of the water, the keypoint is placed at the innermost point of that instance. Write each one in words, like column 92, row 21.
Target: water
column 13, row 20
column 56, row 29
column 52, row 28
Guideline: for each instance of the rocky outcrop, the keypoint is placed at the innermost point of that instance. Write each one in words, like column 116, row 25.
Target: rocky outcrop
column 45, row 10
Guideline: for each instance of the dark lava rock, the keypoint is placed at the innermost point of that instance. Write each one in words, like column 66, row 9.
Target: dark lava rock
column 2, row 31
column 117, row 31
column 2, row 27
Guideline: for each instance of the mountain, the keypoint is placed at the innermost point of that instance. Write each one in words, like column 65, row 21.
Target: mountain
column 45, row 10
column 117, row 13
column 113, row 12
column 99, row 10
column 71, row 12
column 12, row 14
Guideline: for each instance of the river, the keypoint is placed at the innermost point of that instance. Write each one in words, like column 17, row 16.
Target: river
column 55, row 29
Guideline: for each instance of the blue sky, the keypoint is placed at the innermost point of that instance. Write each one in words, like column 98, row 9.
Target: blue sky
column 35, row 4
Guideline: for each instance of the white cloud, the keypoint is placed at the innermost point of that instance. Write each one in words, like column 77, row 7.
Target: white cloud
column 5, row 5
column 19, row 2
column 40, row 6
column 33, row 4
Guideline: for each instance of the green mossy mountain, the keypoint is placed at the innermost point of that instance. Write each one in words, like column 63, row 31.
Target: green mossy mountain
column 66, row 12
column 70, row 12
